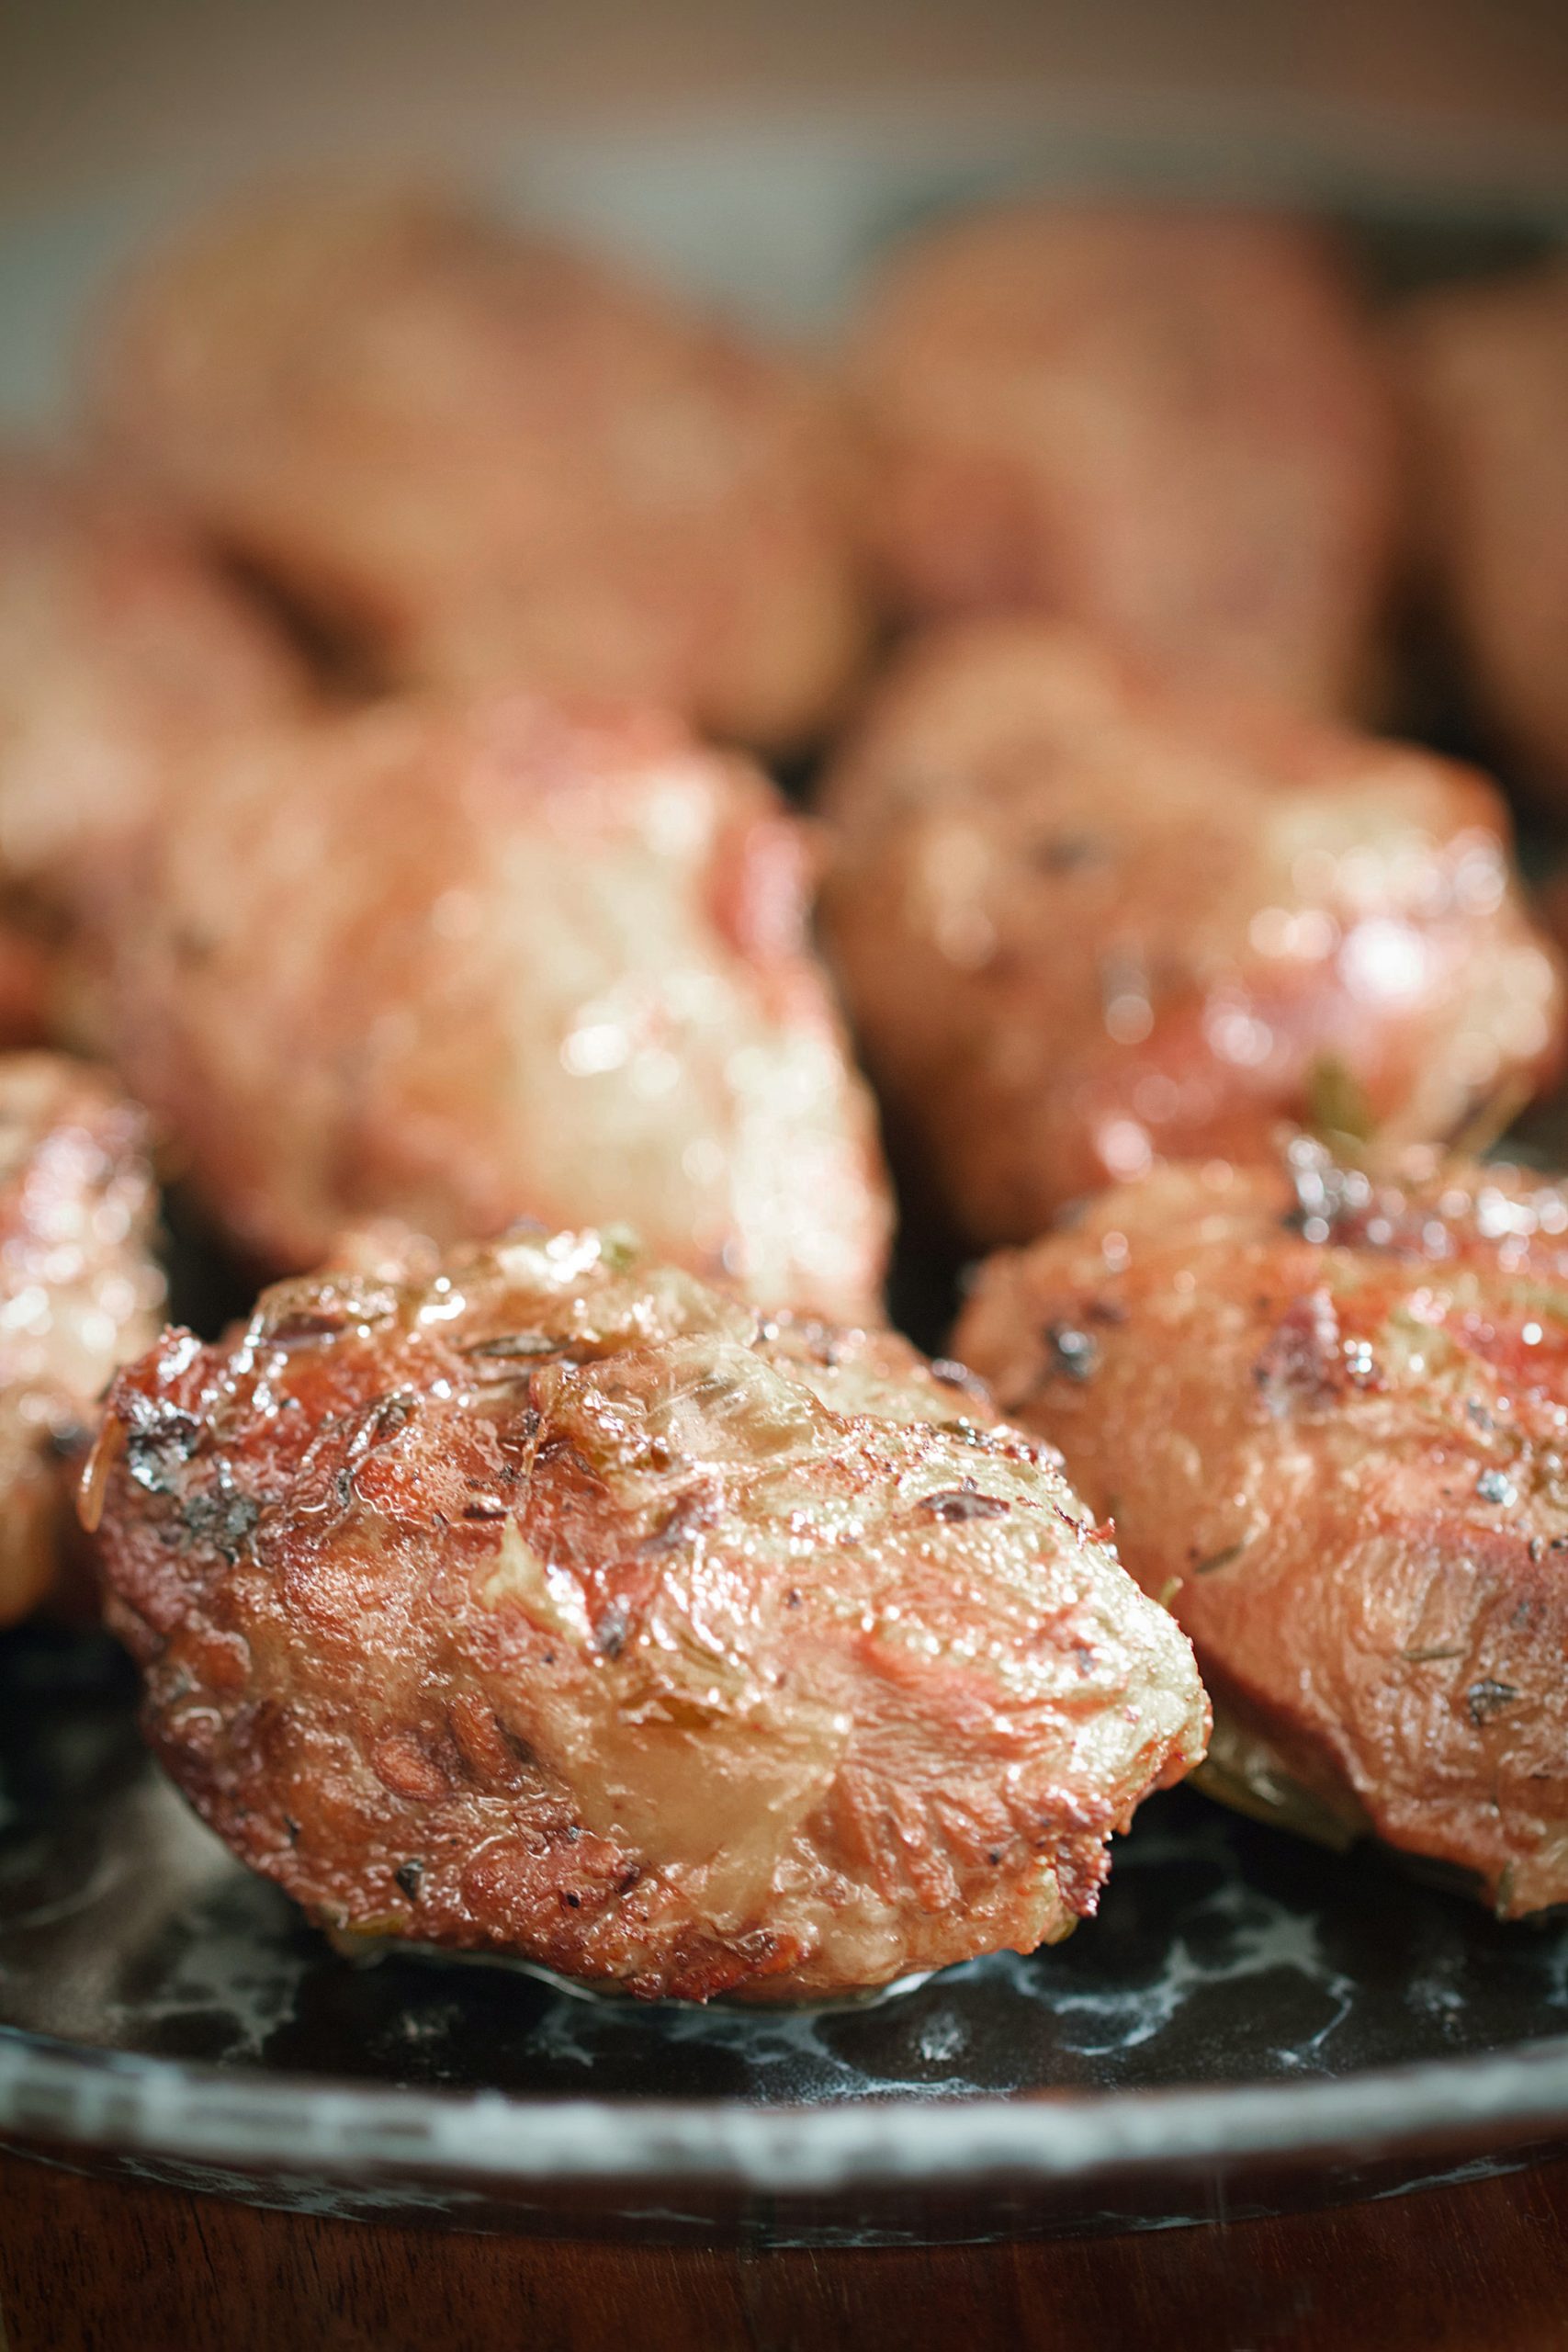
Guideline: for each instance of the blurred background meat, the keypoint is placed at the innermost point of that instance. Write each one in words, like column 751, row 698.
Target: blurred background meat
column 1169, row 425
column 1082, row 922
column 494, row 462
column 1485, row 373
column 123, row 656
column 463, row 965
column 29, row 980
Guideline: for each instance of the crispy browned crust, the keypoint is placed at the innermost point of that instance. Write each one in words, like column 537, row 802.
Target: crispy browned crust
column 1330, row 1418
column 79, row 1294
column 1172, row 426
column 463, row 965
column 494, row 461
column 1081, row 922
column 554, row 1605
column 1485, row 376
column 122, row 657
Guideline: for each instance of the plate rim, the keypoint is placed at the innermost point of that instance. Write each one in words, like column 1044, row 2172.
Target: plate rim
column 130, row 2103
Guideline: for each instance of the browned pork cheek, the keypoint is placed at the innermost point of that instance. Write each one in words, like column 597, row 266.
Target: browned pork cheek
column 1484, row 370
column 79, row 1294
column 1082, row 922
column 1172, row 426
column 463, row 965
column 123, row 656
column 1329, row 1413
column 492, row 462
column 554, row 1605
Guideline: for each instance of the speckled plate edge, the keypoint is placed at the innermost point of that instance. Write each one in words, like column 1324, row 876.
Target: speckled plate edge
column 158, row 2109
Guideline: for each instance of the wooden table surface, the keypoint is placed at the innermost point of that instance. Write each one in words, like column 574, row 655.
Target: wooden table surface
column 88, row 2267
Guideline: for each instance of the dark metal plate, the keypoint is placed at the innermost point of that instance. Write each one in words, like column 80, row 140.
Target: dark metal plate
column 1220, row 2031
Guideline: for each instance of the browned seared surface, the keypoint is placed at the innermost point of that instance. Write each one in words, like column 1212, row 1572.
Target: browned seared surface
column 556, row 1605
column 464, row 965
column 79, row 1294
column 1081, row 922
column 1330, row 1418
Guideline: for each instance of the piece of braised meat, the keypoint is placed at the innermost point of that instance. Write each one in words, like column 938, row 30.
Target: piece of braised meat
column 1485, row 373
column 1329, row 1414
column 1082, row 922
column 123, row 656
column 554, row 1605
column 462, row 966
column 494, row 462
column 1169, row 425
column 79, row 1295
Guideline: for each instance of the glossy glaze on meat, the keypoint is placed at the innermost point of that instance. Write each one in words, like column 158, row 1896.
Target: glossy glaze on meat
column 1329, row 1416
column 495, row 461
column 122, row 657
column 464, row 965
column 1172, row 427
column 554, row 1605
column 1485, row 372
column 79, row 1295
column 1081, row 923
